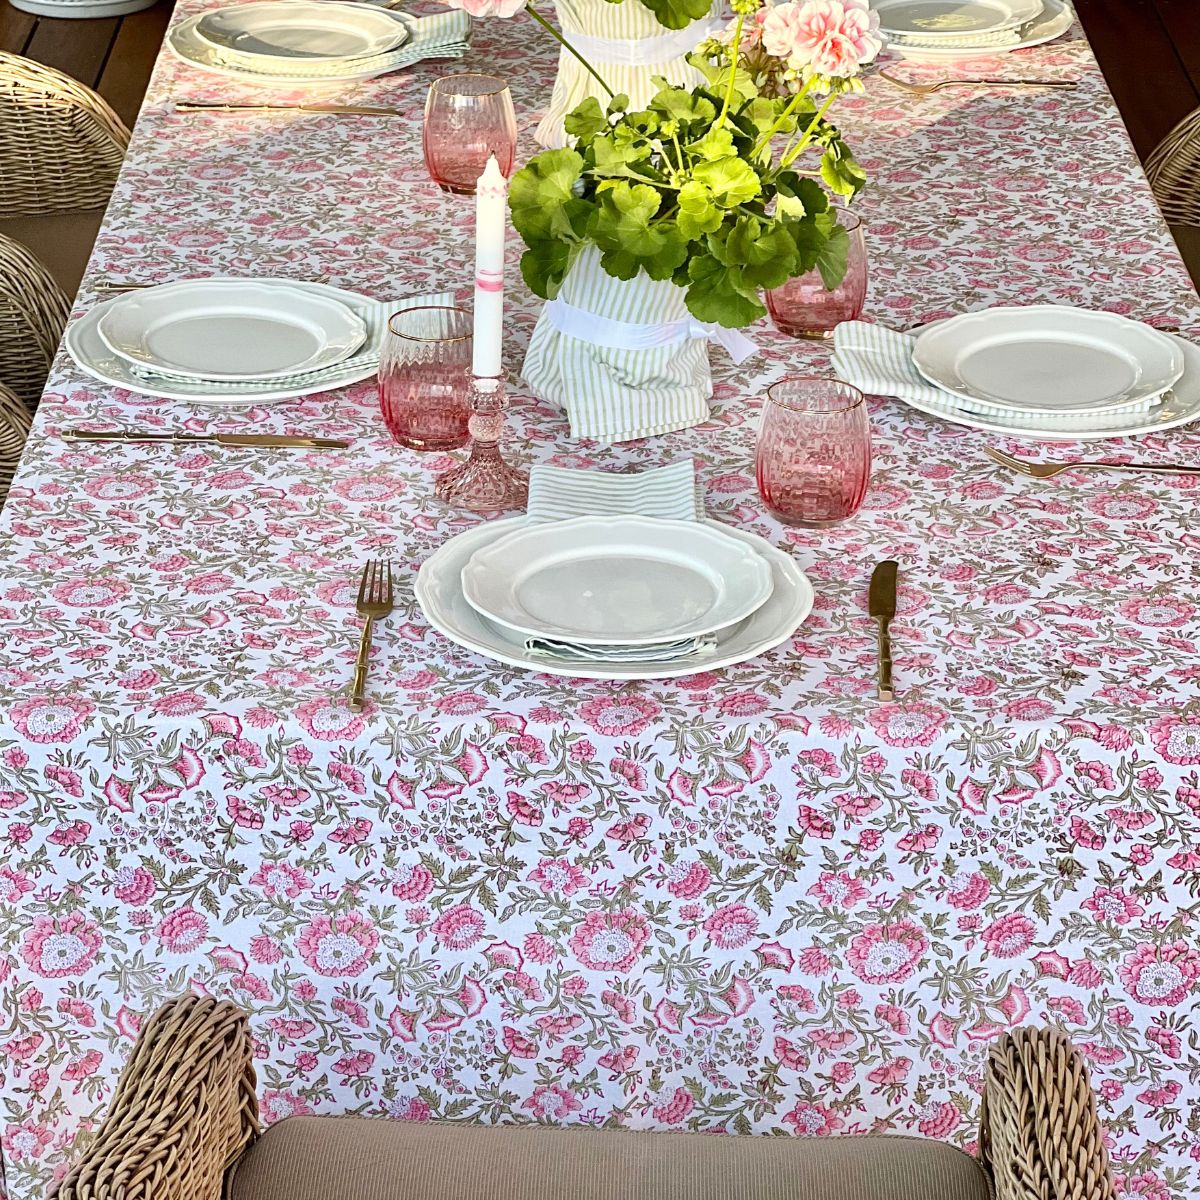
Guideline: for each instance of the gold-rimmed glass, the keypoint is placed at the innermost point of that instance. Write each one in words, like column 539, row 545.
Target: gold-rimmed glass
column 468, row 118
column 425, row 376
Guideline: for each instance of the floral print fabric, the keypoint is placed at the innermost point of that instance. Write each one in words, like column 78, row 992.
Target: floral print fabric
column 755, row 900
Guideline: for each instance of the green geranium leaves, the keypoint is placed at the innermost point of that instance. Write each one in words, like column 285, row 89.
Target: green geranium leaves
column 673, row 190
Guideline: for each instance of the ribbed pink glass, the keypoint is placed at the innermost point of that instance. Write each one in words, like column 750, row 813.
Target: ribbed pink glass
column 425, row 377
column 468, row 118
column 803, row 307
column 814, row 451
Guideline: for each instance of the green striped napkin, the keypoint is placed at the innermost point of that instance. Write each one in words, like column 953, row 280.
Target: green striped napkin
column 666, row 493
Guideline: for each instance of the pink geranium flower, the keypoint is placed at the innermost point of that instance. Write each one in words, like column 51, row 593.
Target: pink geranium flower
column 823, row 37
column 488, row 8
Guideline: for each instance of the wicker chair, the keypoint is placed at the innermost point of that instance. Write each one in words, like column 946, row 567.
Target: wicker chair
column 33, row 312
column 61, row 147
column 183, row 1126
column 14, row 429
column 1173, row 169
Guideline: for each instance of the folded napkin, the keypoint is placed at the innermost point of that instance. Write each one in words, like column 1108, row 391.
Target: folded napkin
column 696, row 647
column 442, row 35
column 375, row 313
column 668, row 493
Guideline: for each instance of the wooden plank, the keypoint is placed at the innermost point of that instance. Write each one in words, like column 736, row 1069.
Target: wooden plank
column 15, row 28
column 1143, row 68
column 131, row 60
column 1181, row 19
column 77, row 48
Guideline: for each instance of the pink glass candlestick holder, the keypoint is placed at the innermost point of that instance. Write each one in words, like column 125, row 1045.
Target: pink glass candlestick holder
column 468, row 118
column 485, row 482
column 803, row 307
column 814, row 451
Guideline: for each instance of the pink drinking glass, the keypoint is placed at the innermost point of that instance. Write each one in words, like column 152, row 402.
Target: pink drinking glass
column 814, row 451
column 803, row 307
column 425, row 377
column 467, row 119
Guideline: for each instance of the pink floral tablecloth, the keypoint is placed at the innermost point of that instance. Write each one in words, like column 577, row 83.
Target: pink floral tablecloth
column 751, row 901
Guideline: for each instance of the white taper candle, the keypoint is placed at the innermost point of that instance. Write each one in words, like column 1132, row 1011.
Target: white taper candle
column 491, row 218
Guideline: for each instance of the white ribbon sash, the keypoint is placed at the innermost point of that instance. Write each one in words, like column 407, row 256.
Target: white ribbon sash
column 625, row 335
column 645, row 52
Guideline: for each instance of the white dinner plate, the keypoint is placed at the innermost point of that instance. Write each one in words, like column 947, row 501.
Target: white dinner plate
column 313, row 33
column 616, row 581
column 86, row 347
column 440, row 596
column 1048, row 359
column 1056, row 18
column 1178, row 406
column 231, row 330
column 936, row 19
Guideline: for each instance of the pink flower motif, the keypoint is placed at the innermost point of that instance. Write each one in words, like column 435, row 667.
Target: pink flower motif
column 517, row 1044
column 552, row 1102
column 908, row 725
column 731, row 927
column 632, row 773
column 538, row 949
column 488, row 8
column 1161, row 975
column 967, row 889
column 133, row 885
column 409, row 1108
column 459, row 928
column 182, row 931
column 939, row 1120
column 556, row 875
column 329, row 720
column 53, row 718
column 887, row 953
column 338, row 946
column 281, row 879
column 57, row 948
column 813, row 1120
column 1009, row 936
column 838, row 890
column 674, row 1108
column 894, row 1018
column 1177, row 739
column 96, row 592
column 687, row 879
column 1113, row 904
column 610, row 941
column 619, row 716
column 412, row 882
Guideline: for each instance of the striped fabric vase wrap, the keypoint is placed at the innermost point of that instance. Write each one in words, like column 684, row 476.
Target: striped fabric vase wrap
column 614, row 393
column 628, row 47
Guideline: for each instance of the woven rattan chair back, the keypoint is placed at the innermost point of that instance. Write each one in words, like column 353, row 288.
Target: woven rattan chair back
column 183, row 1111
column 61, row 145
column 1039, row 1132
column 14, row 429
column 33, row 312
column 1173, row 169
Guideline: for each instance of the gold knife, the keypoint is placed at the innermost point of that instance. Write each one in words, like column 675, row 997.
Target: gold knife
column 359, row 110
column 267, row 440
column 881, row 604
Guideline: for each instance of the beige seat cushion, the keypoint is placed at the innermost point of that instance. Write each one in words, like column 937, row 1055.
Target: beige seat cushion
column 62, row 242
column 358, row 1158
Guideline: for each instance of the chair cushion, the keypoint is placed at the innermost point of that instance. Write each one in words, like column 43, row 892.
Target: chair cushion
column 360, row 1158
column 62, row 242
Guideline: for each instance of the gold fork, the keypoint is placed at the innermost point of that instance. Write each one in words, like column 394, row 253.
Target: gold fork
column 926, row 89
column 1049, row 470
column 373, row 604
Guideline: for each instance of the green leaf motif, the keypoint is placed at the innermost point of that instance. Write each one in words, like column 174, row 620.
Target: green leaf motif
column 732, row 181
column 627, row 238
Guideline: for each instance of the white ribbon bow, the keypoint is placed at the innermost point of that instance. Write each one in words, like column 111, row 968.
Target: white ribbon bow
column 626, row 335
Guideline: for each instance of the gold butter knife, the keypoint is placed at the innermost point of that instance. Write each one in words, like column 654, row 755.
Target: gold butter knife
column 881, row 604
column 266, row 440
column 357, row 110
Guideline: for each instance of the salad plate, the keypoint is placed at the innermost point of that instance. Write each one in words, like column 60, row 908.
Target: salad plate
column 312, row 33
column 936, row 19
column 1054, row 20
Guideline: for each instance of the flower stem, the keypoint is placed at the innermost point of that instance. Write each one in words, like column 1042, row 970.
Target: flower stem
column 783, row 116
column 791, row 154
column 558, row 37
column 733, row 62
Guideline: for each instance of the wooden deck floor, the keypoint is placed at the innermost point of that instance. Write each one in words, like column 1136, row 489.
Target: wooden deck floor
column 114, row 55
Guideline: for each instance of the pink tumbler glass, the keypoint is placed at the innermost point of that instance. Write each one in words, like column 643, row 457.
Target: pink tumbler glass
column 803, row 307
column 425, row 377
column 468, row 118
column 814, row 451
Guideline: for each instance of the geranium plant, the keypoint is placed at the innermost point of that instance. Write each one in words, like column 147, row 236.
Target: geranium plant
column 721, row 189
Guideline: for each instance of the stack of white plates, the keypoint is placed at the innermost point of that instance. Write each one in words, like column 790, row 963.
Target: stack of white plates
column 294, row 42
column 1054, row 372
column 613, row 598
column 239, row 340
column 953, row 29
